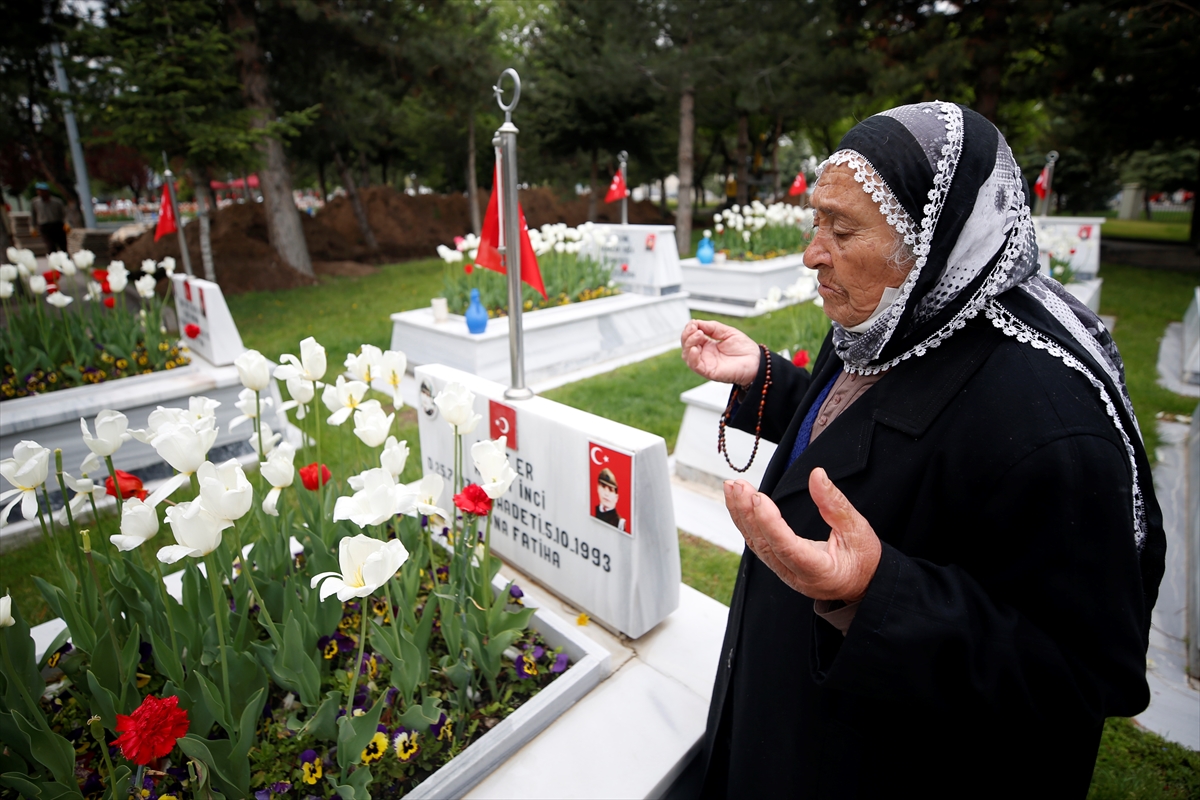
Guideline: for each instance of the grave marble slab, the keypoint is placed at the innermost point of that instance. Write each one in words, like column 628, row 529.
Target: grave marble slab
column 742, row 283
column 696, row 456
column 644, row 258
column 1190, row 371
column 204, row 320
column 1087, row 292
column 1082, row 232
column 558, row 340
column 614, row 553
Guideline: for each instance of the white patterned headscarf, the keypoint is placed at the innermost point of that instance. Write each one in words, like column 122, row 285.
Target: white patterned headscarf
column 946, row 181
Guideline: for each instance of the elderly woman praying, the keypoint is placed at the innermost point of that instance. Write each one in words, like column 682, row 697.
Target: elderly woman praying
column 953, row 555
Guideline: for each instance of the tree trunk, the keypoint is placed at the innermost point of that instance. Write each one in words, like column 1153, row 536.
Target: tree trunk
column 364, row 169
column 662, row 194
column 383, row 165
column 275, row 179
column 360, row 213
column 778, row 189
column 687, row 144
column 204, row 209
column 593, row 190
column 1194, row 233
column 321, row 181
column 472, row 184
column 743, row 158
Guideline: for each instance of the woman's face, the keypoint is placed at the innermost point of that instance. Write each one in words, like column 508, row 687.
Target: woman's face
column 850, row 248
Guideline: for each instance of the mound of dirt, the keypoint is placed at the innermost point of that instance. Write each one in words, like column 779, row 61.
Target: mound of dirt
column 406, row 227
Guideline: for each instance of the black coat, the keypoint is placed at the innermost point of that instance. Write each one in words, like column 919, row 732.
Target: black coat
column 1010, row 611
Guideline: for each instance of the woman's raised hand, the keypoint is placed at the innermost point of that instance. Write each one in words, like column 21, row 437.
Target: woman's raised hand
column 720, row 353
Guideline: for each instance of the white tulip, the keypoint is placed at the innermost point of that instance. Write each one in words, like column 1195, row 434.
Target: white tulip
column 139, row 524
column 362, row 366
column 23, row 258
column 342, row 398
column 224, row 490
column 117, row 281
column 148, row 266
column 37, row 284
column 387, row 375
column 86, row 490
column 371, row 425
column 366, row 564
column 58, row 260
column 8, row 272
column 311, row 365
column 457, row 405
column 112, row 431
column 145, row 286
column 168, row 265
column 428, row 490
column 269, row 439
column 6, row 290
column 6, row 617
column 84, row 259
column 26, row 470
column 394, row 456
column 248, row 403
column 377, row 499
column 302, row 392
column 197, row 532
column 254, row 370
column 279, row 471
column 184, row 447
column 59, row 300
column 491, row 459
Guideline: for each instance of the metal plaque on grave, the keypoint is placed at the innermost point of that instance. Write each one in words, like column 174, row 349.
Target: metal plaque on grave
column 590, row 515
column 205, row 324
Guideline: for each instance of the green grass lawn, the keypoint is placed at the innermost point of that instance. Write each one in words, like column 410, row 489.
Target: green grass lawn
column 1151, row 230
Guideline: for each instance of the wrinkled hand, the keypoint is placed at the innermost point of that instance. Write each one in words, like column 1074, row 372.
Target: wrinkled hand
column 720, row 353
column 838, row 569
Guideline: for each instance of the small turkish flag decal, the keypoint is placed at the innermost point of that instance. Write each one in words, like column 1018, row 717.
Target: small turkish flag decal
column 503, row 422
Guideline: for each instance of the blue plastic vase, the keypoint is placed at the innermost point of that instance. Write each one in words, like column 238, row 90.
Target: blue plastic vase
column 477, row 317
column 705, row 251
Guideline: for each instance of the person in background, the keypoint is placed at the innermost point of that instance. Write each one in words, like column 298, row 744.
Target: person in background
column 49, row 214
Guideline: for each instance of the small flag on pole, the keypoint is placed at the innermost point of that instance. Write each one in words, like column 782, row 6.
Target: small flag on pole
column 799, row 186
column 488, row 256
column 166, row 216
column 617, row 189
column 1043, row 180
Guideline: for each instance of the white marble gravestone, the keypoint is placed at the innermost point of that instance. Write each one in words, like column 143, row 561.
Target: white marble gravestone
column 1081, row 234
column 622, row 565
column 696, row 456
column 205, row 324
column 643, row 257
column 735, row 287
column 1190, row 372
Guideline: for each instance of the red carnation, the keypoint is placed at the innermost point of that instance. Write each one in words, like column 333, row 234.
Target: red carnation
column 151, row 730
column 468, row 268
column 109, row 302
column 474, row 500
column 130, row 486
column 308, row 476
column 100, row 275
column 52, row 275
column 801, row 358
column 104, row 287
column 191, row 330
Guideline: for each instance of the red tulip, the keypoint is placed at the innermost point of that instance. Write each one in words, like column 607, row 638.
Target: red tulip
column 474, row 500
column 110, row 302
column 130, row 486
column 100, row 275
column 152, row 730
column 191, row 330
column 468, row 268
column 801, row 358
column 308, row 476
column 52, row 275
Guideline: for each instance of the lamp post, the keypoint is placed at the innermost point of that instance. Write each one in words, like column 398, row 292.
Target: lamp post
column 623, row 158
column 1051, row 157
column 505, row 141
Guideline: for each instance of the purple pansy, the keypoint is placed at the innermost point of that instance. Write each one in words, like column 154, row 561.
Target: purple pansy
column 560, row 663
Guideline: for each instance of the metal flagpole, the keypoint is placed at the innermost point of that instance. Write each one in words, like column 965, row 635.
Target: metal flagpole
column 623, row 156
column 82, row 186
column 169, row 177
column 1051, row 157
column 510, row 225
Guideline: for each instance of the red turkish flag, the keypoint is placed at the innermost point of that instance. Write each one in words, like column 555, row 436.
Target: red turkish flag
column 1039, row 188
column 489, row 257
column 166, row 216
column 799, row 186
column 616, row 189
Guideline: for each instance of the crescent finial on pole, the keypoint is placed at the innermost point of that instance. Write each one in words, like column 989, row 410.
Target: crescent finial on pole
column 508, row 109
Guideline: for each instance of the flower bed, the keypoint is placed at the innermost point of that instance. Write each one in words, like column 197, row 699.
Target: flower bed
column 282, row 687
column 46, row 348
column 568, row 273
column 756, row 231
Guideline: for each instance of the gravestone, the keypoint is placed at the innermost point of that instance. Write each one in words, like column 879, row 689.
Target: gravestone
column 643, row 257
column 1190, row 372
column 590, row 514
column 205, row 324
column 1082, row 234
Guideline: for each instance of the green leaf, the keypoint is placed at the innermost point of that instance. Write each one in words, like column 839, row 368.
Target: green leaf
column 355, row 787
column 104, row 702
column 83, row 635
column 297, row 661
column 248, row 724
column 20, row 648
column 12, row 736
column 229, row 775
column 21, row 783
column 51, row 750
column 202, row 719
column 246, row 677
column 406, row 663
column 323, row 724
column 166, row 659
column 58, row 642
column 419, row 718
column 355, row 732
column 215, row 702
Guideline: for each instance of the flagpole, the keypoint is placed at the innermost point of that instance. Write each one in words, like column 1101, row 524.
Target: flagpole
column 510, row 226
column 1051, row 157
column 623, row 156
column 169, row 177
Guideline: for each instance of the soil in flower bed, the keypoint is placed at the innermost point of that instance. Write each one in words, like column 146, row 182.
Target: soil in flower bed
column 406, row 227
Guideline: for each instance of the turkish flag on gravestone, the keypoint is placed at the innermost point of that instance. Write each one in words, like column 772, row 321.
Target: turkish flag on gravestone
column 489, row 257
column 799, row 186
column 166, row 216
column 1039, row 188
column 617, row 189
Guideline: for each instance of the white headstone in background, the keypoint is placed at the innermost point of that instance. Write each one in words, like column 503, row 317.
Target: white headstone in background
column 614, row 552
column 205, row 324
column 1076, row 239
column 643, row 257
column 1191, row 341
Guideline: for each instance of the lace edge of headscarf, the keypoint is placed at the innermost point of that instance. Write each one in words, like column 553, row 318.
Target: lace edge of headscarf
column 858, row 350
